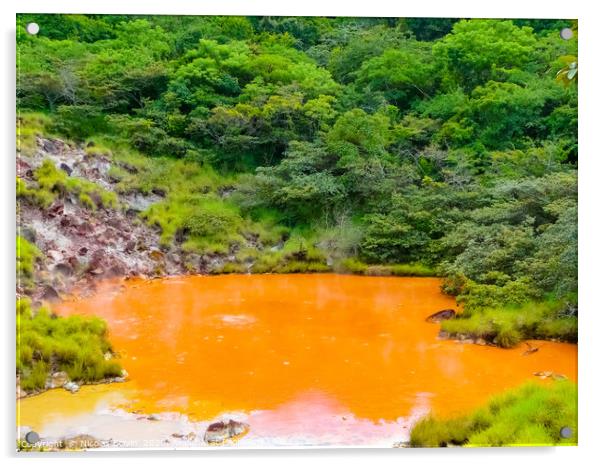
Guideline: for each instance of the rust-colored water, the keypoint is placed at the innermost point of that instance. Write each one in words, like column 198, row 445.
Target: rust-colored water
column 205, row 345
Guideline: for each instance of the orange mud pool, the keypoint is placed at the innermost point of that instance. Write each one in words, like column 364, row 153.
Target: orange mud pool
column 318, row 359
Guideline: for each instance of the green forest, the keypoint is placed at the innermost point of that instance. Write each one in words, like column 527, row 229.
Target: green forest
column 376, row 146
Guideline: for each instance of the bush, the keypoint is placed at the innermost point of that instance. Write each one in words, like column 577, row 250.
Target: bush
column 205, row 223
column 507, row 326
column 79, row 121
column 47, row 343
column 530, row 415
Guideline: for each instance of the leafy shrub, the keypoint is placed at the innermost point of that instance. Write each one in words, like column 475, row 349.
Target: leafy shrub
column 79, row 121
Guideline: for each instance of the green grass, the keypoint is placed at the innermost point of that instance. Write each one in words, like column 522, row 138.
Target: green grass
column 194, row 211
column 47, row 343
column 27, row 255
column 193, row 208
column 52, row 183
column 30, row 125
column 355, row 266
column 532, row 415
column 40, row 197
column 507, row 326
column 208, row 224
column 297, row 255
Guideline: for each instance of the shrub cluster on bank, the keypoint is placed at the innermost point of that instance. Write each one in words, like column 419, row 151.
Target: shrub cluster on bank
column 507, row 326
column 47, row 343
column 532, row 415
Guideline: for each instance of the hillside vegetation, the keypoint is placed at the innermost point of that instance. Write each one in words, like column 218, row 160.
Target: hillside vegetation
column 373, row 146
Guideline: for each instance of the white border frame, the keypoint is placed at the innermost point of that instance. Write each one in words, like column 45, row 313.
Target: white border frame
column 589, row 196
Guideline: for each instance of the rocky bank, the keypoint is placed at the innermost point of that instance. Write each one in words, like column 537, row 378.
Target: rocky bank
column 81, row 245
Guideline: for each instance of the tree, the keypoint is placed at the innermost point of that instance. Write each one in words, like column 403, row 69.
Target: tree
column 402, row 75
column 476, row 50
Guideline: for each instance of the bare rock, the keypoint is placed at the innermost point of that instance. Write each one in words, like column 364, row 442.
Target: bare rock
column 22, row 166
column 84, row 229
column 116, row 270
column 66, row 168
column 57, row 209
column 50, row 294
column 550, row 375
column 157, row 255
column 445, row 314
column 57, row 379
column 116, row 222
column 64, row 269
column 221, row 431
column 54, row 255
column 28, row 233
column 52, row 146
column 71, row 387
column 130, row 246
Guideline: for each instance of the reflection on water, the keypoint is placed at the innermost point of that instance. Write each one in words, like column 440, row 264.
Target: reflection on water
column 298, row 354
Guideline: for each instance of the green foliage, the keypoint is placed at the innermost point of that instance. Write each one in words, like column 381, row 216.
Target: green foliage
column 401, row 75
column 28, row 127
column 47, row 343
column 209, row 224
column 476, row 50
column 40, row 197
column 53, row 182
column 529, row 415
column 27, row 255
column 507, row 325
column 79, row 121
column 353, row 265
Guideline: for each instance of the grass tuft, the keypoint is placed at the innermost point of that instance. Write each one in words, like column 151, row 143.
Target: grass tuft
column 355, row 266
column 27, row 255
column 529, row 415
column 53, row 183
